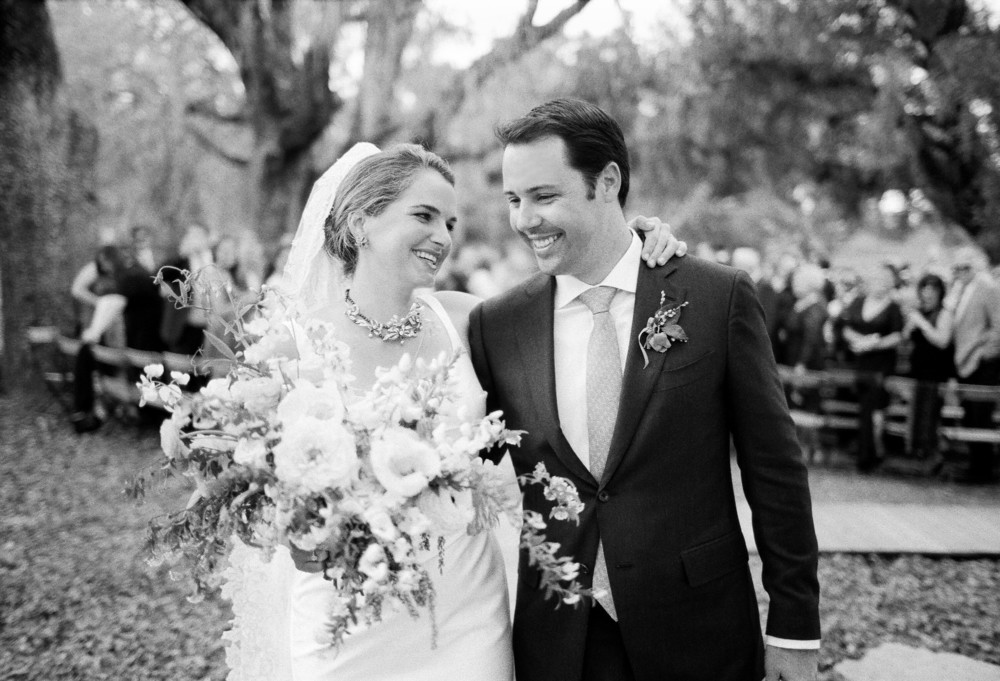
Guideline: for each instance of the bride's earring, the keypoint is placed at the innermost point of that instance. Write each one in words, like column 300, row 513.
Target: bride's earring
column 356, row 226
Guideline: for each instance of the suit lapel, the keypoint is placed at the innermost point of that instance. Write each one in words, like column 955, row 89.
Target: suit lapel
column 638, row 380
column 536, row 347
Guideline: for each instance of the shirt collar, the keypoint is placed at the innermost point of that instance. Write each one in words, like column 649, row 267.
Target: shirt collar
column 622, row 276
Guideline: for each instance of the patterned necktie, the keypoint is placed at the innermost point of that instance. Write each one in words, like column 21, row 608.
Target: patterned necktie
column 604, row 381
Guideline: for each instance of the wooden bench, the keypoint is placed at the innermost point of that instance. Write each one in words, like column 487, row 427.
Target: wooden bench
column 835, row 410
column 951, row 429
column 835, row 388
column 54, row 356
column 951, row 434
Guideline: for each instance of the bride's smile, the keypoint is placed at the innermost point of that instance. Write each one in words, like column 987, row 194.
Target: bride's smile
column 409, row 240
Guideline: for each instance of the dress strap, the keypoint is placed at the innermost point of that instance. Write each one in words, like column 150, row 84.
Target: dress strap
column 435, row 304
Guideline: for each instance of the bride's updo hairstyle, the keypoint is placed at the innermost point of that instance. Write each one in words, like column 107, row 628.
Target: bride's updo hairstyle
column 370, row 186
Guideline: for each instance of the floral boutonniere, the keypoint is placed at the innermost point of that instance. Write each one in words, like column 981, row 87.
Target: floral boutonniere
column 662, row 330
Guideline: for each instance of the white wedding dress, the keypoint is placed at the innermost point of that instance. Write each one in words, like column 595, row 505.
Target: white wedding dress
column 279, row 612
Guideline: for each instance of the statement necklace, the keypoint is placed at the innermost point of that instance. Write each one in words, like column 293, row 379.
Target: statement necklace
column 395, row 329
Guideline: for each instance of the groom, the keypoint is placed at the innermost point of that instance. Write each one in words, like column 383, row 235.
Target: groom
column 647, row 444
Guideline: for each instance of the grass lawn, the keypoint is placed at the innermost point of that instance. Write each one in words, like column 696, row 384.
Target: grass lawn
column 78, row 601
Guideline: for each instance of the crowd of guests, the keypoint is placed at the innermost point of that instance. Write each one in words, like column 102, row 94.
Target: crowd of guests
column 932, row 326
column 119, row 302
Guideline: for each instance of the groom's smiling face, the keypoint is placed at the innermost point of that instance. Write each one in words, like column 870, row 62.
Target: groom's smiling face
column 555, row 211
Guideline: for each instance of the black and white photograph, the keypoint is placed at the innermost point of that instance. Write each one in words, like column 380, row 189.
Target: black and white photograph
column 536, row 340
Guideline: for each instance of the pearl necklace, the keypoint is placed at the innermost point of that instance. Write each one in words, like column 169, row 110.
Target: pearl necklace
column 395, row 329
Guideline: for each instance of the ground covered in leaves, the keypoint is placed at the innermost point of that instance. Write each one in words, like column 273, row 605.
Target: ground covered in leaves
column 78, row 601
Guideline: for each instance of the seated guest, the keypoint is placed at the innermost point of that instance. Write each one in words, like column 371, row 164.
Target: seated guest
column 93, row 280
column 929, row 328
column 872, row 326
column 134, row 304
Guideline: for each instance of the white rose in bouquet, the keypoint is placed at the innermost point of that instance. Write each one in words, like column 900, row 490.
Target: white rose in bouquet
column 315, row 455
column 404, row 463
column 258, row 394
column 277, row 344
column 305, row 399
column 251, row 452
column 217, row 389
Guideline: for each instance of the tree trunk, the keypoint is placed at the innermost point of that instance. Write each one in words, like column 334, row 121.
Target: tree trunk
column 389, row 30
column 47, row 156
column 289, row 102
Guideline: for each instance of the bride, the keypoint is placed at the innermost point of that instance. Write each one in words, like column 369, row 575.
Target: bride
column 375, row 232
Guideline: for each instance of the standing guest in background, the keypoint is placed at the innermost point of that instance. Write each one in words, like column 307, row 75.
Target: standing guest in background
column 873, row 325
column 748, row 260
column 847, row 287
column 805, row 345
column 782, row 283
column 183, row 330
column 977, row 349
column 829, row 291
column 141, row 248
column 929, row 328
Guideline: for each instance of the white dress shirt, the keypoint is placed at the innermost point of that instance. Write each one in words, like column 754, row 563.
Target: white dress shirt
column 572, row 324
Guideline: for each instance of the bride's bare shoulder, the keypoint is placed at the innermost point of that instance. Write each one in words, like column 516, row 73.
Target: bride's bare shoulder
column 457, row 304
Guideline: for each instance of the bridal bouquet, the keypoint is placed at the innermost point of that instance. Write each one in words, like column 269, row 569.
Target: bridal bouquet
column 281, row 452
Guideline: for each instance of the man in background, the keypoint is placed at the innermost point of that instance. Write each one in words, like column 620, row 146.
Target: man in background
column 977, row 350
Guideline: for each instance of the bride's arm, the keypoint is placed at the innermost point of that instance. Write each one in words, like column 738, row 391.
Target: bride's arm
column 458, row 305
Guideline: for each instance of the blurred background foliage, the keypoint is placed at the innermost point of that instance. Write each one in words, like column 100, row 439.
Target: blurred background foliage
column 773, row 123
column 750, row 115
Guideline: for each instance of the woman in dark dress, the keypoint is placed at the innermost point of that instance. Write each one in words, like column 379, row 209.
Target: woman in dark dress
column 873, row 325
column 929, row 329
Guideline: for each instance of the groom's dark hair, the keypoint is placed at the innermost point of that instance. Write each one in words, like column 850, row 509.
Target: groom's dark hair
column 593, row 138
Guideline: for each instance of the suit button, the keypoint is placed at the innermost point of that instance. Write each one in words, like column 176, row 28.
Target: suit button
column 603, row 495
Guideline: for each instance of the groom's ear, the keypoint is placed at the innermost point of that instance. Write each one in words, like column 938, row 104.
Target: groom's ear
column 609, row 182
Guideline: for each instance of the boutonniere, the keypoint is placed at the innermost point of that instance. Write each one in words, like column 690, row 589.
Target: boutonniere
column 662, row 330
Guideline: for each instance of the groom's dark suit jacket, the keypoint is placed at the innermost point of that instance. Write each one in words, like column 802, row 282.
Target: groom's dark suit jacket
column 665, row 508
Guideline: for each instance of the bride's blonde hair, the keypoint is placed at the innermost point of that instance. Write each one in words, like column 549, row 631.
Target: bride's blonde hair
column 369, row 187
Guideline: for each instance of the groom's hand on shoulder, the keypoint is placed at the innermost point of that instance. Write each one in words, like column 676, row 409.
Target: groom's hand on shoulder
column 786, row 664
column 659, row 243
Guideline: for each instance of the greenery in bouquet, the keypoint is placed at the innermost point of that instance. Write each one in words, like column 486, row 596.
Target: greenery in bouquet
column 282, row 451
